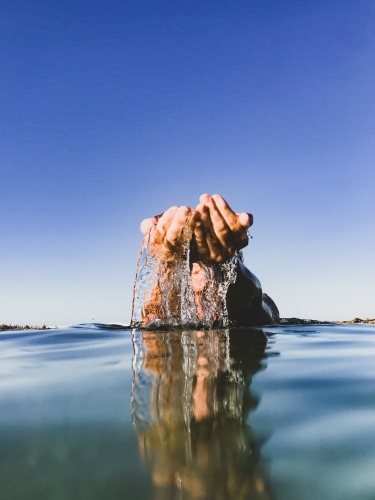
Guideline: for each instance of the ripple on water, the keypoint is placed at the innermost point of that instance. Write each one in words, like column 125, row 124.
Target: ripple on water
column 304, row 405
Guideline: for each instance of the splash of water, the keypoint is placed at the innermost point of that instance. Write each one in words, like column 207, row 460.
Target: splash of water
column 165, row 295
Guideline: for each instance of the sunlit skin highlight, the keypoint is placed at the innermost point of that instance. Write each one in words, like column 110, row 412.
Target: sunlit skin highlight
column 217, row 233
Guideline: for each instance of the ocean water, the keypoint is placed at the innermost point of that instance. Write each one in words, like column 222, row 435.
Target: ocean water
column 97, row 412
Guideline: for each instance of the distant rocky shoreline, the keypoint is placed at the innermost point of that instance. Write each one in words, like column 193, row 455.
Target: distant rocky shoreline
column 26, row 327
column 299, row 321
column 283, row 321
column 358, row 320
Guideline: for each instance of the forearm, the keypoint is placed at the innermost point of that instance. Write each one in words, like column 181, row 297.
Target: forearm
column 161, row 290
column 171, row 291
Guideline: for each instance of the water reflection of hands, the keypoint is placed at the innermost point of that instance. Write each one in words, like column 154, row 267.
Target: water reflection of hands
column 193, row 431
column 217, row 232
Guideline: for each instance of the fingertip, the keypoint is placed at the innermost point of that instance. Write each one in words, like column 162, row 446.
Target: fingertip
column 217, row 197
column 142, row 227
column 204, row 198
column 184, row 210
column 147, row 224
column 170, row 212
column 245, row 219
column 201, row 209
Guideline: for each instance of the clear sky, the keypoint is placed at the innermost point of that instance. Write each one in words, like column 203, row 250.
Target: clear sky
column 112, row 111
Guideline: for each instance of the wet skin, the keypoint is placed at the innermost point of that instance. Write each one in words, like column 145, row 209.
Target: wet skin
column 218, row 232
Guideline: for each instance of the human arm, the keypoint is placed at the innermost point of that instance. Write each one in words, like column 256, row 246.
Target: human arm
column 215, row 234
column 219, row 234
column 163, row 267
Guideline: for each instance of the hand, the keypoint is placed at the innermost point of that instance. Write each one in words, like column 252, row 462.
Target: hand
column 219, row 232
column 171, row 230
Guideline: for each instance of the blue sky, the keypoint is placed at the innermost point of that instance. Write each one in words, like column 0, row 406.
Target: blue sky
column 113, row 111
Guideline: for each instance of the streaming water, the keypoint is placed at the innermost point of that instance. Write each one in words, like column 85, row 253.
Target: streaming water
column 97, row 412
column 164, row 295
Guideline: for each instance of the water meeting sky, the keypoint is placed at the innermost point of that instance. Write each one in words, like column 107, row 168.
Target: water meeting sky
column 112, row 111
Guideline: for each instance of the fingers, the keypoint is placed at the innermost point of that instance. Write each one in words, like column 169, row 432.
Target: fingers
column 174, row 234
column 219, row 237
column 210, row 240
column 173, row 229
column 163, row 224
column 202, row 248
column 218, row 231
column 238, row 223
column 227, row 213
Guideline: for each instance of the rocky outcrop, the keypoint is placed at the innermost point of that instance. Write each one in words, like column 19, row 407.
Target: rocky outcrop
column 27, row 327
column 366, row 321
column 299, row 321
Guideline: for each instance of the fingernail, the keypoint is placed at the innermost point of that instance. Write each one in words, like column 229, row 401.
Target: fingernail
column 245, row 219
column 205, row 198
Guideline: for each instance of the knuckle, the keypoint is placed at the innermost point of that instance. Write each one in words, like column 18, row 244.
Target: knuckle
column 183, row 211
column 171, row 209
column 220, row 226
column 204, row 256
column 216, row 256
column 202, row 247
column 243, row 243
column 170, row 242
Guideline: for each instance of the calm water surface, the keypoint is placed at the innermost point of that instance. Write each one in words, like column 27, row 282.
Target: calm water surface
column 92, row 412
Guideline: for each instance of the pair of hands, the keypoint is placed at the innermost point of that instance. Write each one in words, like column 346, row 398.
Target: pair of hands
column 217, row 231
